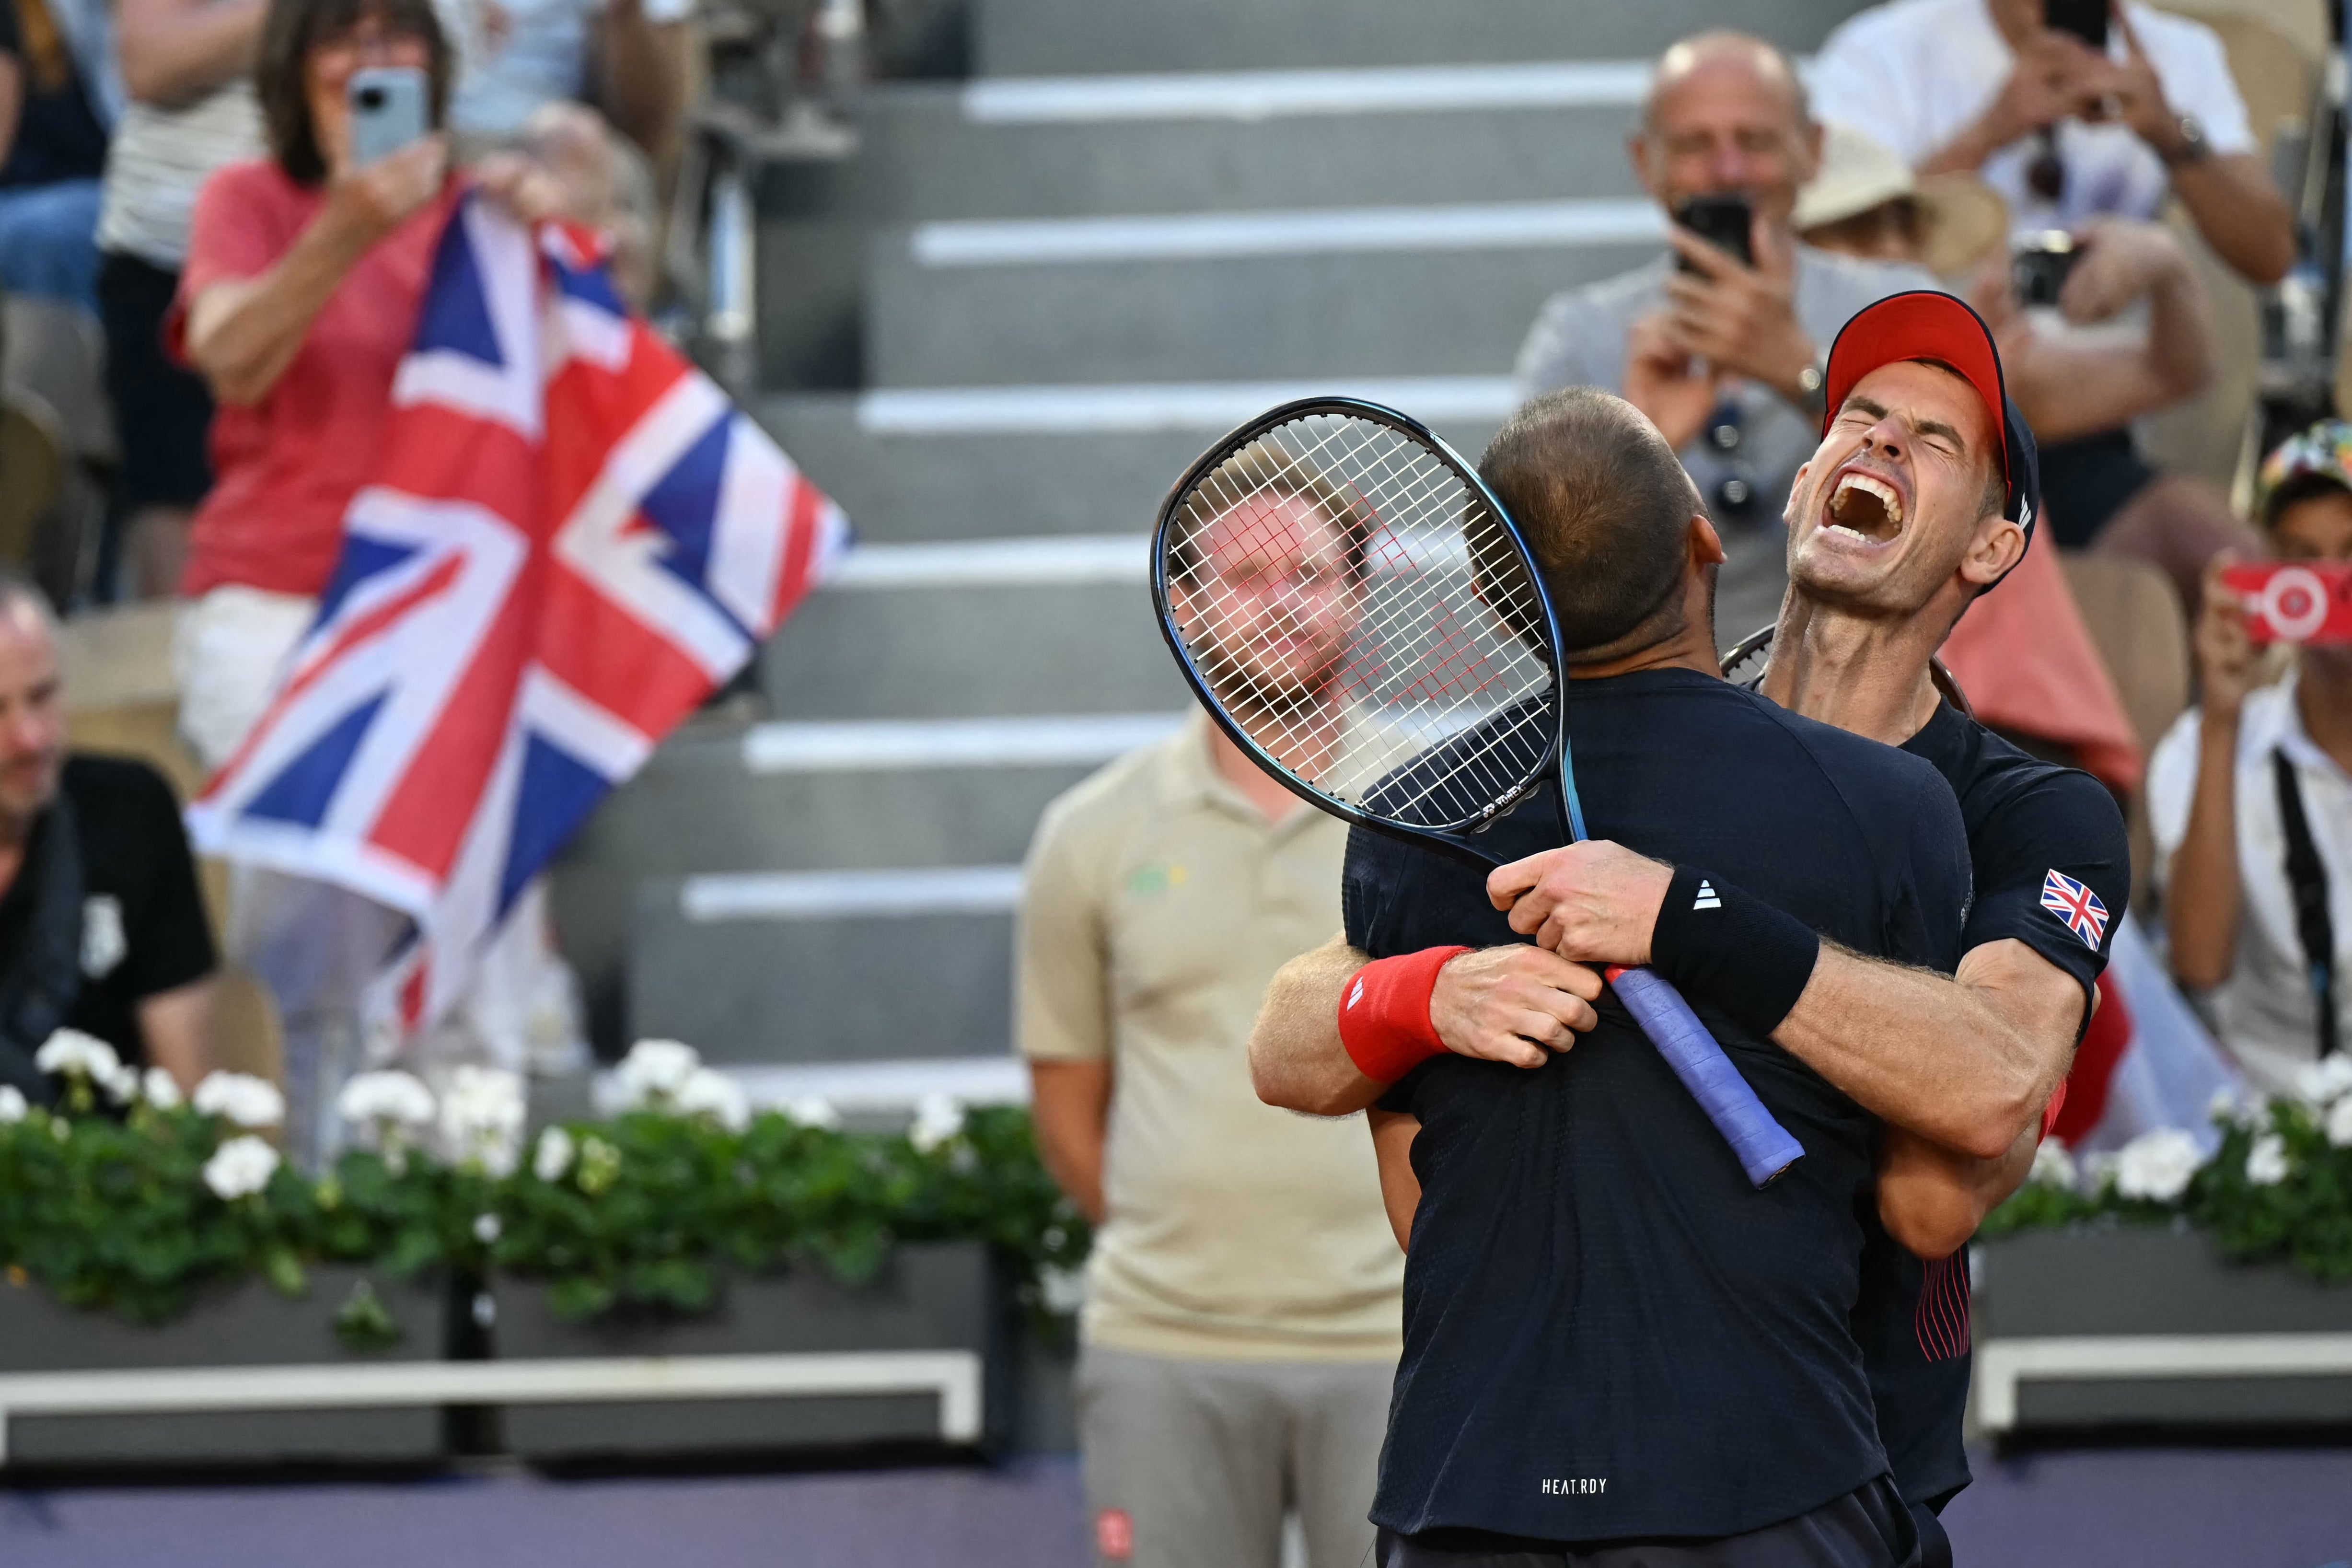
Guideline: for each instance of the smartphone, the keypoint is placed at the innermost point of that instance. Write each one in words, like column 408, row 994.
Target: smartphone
column 2086, row 19
column 387, row 110
column 2039, row 264
column 1725, row 221
column 2307, row 602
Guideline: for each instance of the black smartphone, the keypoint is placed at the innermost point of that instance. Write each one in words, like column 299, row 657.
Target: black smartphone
column 2086, row 19
column 1723, row 222
column 2038, row 266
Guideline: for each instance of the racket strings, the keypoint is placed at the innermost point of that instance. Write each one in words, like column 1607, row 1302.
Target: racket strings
column 1364, row 618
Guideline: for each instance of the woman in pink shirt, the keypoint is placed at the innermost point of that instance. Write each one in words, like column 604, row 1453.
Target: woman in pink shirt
column 304, row 275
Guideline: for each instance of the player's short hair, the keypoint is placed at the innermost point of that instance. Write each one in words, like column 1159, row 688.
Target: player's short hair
column 1605, row 507
column 1259, row 468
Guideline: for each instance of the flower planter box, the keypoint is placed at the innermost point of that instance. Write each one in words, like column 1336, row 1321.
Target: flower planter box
column 789, row 1361
column 2125, row 1326
column 185, row 1413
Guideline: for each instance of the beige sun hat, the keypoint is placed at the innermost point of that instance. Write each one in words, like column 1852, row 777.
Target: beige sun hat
column 1962, row 219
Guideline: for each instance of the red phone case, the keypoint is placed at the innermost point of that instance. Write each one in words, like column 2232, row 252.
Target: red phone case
column 2295, row 601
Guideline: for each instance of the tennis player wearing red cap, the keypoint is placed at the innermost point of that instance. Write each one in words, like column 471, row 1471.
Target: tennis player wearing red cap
column 1921, row 496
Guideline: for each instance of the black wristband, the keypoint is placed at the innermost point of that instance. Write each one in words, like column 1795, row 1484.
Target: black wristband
column 1732, row 949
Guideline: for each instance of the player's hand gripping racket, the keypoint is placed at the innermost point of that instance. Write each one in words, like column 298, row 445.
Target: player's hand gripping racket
column 1360, row 615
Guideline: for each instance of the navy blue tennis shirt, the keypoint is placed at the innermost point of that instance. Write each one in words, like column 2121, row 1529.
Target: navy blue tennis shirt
column 2027, row 821
column 1609, row 1334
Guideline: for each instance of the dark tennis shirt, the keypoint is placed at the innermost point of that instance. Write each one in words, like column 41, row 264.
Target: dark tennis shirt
column 143, row 927
column 2025, row 818
column 1607, row 1333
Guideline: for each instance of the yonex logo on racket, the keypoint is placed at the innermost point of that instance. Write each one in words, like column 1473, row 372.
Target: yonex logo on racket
column 1706, row 898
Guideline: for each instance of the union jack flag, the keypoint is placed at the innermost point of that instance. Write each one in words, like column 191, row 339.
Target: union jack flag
column 573, row 539
column 2084, row 914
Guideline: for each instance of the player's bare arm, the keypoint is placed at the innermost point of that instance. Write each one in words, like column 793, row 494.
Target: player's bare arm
column 1967, row 1062
column 1931, row 1200
column 1392, row 1135
column 1516, row 1005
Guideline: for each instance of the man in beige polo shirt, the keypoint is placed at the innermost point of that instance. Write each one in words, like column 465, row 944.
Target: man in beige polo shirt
column 1241, row 1323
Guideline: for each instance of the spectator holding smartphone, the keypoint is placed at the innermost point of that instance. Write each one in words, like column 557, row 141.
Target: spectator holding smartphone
column 2250, row 798
column 2063, row 130
column 1721, row 353
column 305, row 274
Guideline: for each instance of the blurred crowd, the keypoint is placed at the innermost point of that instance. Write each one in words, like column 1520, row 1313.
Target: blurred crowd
column 2100, row 193
column 209, row 278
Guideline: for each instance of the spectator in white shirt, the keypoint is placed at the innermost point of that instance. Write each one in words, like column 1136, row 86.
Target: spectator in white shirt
column 2062, row 132
column 2250, row 798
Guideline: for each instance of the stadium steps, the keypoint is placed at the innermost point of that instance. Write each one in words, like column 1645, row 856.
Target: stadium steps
column 1043, row 293
column 1016, row 38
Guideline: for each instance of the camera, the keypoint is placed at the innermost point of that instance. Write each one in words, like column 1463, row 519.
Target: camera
column 2039, row 264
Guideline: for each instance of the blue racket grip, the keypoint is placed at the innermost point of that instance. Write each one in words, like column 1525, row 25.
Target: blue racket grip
column 1762, row 1145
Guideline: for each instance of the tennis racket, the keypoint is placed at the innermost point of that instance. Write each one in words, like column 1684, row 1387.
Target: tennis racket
column 1744, row 664
column 1359, row 613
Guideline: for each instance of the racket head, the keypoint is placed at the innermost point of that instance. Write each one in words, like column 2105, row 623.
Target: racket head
column 1363, row 617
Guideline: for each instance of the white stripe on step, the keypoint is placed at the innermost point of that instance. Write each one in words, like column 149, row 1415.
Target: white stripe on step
column 1275, row 94
column 1143, row 407
column 1193, row 236
column 837, row 895
column 869, row 745
column 1076, row 558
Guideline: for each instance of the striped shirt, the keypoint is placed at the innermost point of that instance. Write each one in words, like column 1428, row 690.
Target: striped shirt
column 160, row 159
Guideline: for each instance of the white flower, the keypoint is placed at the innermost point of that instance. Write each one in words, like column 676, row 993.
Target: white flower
column 121, row 1085
column 2266, row 1161
column 160, row 1088
column 717, row 1096
column 482, row 1117
column 240, row 1168
column 379, row 1102
column 486, row 1228
column 13, row 1104
column 654, row 1071
column 77, row 1055
column 815, row 1111
column 553, row 1156
column 938, row 1117
column 2157, row 1165
column 2232, row 1106
column 240, row 1097
column 2338, row 1125
column 1063, row 1290
column 2053, row 1166
column 2324, row 1083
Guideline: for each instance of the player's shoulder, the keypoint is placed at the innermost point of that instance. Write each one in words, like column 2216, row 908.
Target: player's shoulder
column 1858, row 766
column 2007, row 790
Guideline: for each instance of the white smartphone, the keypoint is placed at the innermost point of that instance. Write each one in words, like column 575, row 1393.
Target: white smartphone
column 388, row 105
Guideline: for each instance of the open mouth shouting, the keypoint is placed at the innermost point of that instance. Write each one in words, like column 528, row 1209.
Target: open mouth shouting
column 1864, row 506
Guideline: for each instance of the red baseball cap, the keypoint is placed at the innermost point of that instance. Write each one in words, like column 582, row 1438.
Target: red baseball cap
column 1925, row 324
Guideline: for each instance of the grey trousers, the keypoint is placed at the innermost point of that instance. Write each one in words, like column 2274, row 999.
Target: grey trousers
column 1190, row 1464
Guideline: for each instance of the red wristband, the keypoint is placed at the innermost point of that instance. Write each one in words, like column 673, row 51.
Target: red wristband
column 2049, row 1111
column 1385, row 1013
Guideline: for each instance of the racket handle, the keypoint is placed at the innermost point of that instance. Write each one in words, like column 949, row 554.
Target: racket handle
column 1762, row 1145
